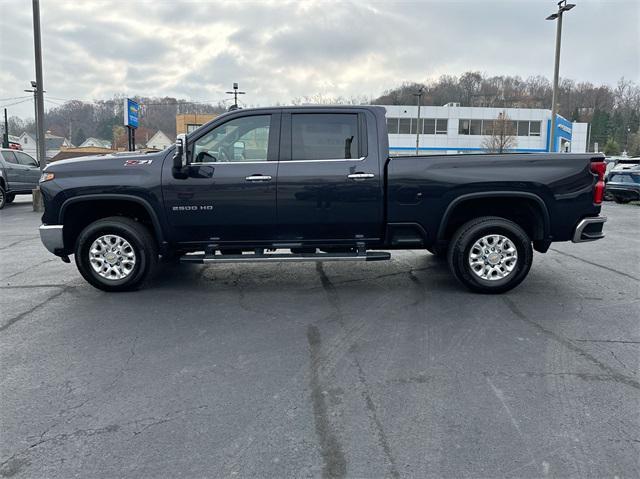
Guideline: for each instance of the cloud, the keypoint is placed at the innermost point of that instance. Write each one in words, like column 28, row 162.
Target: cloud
column 281, row 50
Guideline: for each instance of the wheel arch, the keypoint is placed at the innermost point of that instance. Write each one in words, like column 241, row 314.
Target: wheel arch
column 103, row 205
column 538, row 230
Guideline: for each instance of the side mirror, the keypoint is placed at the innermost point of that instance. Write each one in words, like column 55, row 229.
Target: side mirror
column 180, row 160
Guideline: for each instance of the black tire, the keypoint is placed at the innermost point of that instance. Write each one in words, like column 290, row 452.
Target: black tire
column 3, row 197
column 464, row 239
column 9, row 198
column 136, row 234
column 620, row 200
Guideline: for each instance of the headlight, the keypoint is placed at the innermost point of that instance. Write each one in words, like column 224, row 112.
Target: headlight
column 46, row 177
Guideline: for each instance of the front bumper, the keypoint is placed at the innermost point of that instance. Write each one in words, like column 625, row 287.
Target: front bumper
column 52, row 238
column 589, row 229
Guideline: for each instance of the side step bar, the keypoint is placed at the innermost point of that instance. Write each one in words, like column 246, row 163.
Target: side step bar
column 288, row 258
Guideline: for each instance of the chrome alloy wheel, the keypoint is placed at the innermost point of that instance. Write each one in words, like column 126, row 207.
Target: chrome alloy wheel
column 112, row 257
column 493, row 257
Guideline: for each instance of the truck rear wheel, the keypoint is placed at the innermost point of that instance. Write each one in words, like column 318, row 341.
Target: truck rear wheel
column 116, row 254
column 490, row 254
column 3, row 197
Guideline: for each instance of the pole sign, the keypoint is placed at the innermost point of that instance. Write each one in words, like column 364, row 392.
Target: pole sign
column 131, row 109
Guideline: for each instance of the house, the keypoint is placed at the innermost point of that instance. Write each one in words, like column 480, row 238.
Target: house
column 52, row 144
column 159, row 141
column 95, row 143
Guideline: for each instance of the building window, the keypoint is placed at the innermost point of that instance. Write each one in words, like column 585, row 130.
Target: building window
column 441, row 126
column 534, row 128
column 464, row 127
column 476, row 127
column 192, row 126
column 405, row 126
column 392, row 126
column 523, row 128
column 487, row 127
column 429, row 126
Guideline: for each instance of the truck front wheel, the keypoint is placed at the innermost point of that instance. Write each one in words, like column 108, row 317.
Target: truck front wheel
column 490, row 254
column 116, row 254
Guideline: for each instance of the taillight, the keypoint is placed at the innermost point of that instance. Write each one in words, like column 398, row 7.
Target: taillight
column 598, row 168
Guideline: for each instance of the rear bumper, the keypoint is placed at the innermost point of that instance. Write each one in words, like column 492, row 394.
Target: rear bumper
column 52, row 238
column 589, row 229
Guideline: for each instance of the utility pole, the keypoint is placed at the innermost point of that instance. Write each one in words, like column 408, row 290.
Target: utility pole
column 5, row 136
column 235, row 94
column 563, row 6
column 418, row 94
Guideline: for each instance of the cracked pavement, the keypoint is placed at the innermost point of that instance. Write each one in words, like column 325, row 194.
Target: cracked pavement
column 385, row 369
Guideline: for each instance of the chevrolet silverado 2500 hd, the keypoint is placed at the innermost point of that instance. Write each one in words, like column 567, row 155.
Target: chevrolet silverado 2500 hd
column 318, row 183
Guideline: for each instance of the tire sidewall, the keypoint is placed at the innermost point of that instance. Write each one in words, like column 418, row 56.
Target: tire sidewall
column 3, row 197
column 515, row 234
column 100, row 228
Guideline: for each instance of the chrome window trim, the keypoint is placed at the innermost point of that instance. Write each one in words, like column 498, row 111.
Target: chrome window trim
column 328, row 159
column 231, row 163
column 278, row 161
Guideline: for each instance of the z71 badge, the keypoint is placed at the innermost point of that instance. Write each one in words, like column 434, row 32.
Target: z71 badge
column 137, row 162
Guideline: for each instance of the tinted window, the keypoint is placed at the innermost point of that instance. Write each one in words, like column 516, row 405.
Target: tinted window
column 441, row 126
column 25, row 159
column 324, row 136
column 9, row 157
column 241, row 139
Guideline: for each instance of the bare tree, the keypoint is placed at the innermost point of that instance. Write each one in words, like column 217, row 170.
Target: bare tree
column 503, row 135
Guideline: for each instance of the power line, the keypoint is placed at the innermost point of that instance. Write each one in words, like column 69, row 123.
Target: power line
column 14, row 97
column 15, row 103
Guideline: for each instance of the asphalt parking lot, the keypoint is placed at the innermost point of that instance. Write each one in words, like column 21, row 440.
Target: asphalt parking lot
column 336, row 370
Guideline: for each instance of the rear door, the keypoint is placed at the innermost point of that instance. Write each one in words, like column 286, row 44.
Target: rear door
column 329, row 183
column 14, row 171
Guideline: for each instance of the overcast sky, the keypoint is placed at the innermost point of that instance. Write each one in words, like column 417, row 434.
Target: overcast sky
column 278, row 51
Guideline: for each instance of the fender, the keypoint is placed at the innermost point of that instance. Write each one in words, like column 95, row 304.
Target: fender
column 136, row 199
column 493, row 194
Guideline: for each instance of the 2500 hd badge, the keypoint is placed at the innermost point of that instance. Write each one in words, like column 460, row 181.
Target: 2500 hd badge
column 192, row 208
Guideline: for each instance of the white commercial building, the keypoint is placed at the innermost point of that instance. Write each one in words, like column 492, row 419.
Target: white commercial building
column 453, row 129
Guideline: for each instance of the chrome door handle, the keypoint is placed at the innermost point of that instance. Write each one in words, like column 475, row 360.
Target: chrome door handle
column 360, row 176
column 258, row 178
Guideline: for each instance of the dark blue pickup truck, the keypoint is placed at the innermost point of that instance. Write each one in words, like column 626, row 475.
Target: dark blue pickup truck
column 314, row 184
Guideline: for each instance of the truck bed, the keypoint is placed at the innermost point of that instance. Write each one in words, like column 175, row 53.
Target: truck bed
column 425, row 189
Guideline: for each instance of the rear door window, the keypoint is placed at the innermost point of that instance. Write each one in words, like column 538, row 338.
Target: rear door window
column 9, row 157
column 324, row 136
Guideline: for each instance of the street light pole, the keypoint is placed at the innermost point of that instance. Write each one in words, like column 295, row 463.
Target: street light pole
column 235, row 94
column 418, row 94
column 563, row 6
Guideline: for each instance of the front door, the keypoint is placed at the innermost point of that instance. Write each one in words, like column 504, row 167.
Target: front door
column 329, row 184
column 230, row 194
column 31, row 172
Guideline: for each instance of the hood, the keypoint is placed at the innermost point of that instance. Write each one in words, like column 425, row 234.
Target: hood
column 98, row 161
